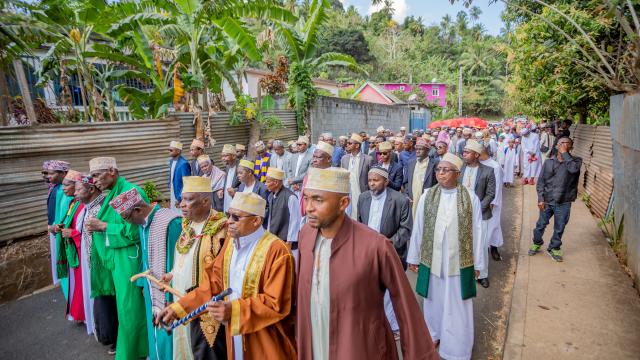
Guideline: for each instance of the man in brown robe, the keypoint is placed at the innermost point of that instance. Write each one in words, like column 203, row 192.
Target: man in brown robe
column 345, row 268
column 258, row 267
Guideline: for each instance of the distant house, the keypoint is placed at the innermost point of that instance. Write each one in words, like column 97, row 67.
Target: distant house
column 374, row 93
column 434, row 92
column 252, row 79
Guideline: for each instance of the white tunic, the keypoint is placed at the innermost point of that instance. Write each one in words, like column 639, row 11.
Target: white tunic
column 531, row 146
column 448, row 317
column 242, row 251
column 182, row 280
column 231, row 174
column 320, row 305
column 495, row 228
column 510, row 166
column 354, row 182
column 502, row 145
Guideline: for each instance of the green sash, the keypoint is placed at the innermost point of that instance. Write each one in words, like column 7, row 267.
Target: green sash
column 67, row 255
column 465, row 241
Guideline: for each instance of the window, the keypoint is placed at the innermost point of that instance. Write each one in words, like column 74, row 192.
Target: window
column 435, row 92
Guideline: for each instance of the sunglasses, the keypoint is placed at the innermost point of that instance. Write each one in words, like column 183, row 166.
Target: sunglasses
column 236, row 217
column 384, row 153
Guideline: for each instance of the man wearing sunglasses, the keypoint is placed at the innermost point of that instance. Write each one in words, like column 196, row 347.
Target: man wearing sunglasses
column 385, row 149
column 446, row 251
column 258, row 267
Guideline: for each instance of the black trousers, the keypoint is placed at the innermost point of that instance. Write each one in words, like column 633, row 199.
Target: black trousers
column 105, row 317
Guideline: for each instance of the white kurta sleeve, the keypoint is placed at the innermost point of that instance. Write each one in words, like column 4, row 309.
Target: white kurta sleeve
column 415, row 242
column 478, row 249
column 294, row 219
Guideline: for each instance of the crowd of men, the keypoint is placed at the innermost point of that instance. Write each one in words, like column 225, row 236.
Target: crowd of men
column 313, row 241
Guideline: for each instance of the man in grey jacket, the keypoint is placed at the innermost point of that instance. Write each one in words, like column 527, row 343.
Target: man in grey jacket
column 358, row 165
column 299, row 164
column 482, row 180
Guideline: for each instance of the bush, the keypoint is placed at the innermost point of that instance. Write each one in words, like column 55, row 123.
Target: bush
column 151, row 189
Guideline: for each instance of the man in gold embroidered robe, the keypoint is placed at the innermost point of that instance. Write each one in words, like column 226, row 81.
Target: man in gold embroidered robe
column 202, row 237
column 446, row 251
column 345, row 269
column 258, row 267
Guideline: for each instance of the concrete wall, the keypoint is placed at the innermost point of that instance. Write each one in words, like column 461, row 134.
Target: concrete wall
column 343, row 116
column 625, row 131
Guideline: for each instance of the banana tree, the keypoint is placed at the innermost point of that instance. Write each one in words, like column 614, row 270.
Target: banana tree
column 301, row 43
column 71, row 27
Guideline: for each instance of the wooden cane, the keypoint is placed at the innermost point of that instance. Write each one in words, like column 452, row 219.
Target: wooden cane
column 160, row 284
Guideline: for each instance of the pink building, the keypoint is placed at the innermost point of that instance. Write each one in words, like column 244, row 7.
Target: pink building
column 381, row 93
column 434, row 92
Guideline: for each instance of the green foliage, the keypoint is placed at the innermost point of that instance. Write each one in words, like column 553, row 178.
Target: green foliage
column 151, row 190
column 245, row 109
column 302, row 93
column 546, row 79
column 346, row 41
column 613, row 231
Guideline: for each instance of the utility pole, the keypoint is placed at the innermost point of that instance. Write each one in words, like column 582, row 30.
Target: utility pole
column 460, row 91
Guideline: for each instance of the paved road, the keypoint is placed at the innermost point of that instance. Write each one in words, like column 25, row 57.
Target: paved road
column 35, row 328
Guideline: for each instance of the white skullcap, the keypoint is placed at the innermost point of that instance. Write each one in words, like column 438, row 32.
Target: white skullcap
column 474, row 146
column 332, row 179
column 325, row 147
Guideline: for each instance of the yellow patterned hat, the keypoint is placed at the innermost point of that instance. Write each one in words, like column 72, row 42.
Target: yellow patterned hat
column 332, row 179
column 326, row 147
column 452, row 159
column 241, row 147
column 102, row 163
column 175, row 145
column 249, row 202
column 385, row 146
column 203, row 158
column 196, row 184
column 73, row 175
column 357, row 138
column 275, row 173
column 303, row 139
column 474, row 146
column 246, row 163
column 228, row 149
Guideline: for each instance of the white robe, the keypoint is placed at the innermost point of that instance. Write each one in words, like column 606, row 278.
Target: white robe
column 502, row 145
column 531, row 146
column 85, row 253
column 182, row 280
column 511, row 161
column 495, row 228
column 448, row 317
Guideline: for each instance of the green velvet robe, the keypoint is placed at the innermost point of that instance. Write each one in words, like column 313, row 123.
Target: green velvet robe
column 116, row 255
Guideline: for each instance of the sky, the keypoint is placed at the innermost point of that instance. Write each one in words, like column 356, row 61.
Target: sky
column 432, row 11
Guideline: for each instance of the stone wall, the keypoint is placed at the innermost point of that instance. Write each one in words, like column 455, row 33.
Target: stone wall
column 343, row 116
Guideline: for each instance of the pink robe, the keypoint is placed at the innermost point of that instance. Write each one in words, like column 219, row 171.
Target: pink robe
column 76, row 304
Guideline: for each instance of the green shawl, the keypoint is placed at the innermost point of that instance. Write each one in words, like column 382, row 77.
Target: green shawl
column 66, row 253
column 465, row 241
column 121, row 235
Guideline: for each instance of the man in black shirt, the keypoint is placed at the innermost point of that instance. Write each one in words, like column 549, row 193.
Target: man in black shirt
column 557, row 188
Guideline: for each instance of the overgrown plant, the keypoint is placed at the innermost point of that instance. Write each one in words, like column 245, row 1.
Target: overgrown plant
column 613, row 232
column 151, row 190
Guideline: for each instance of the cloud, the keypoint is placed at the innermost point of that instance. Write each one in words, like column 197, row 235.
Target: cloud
column 400, row 7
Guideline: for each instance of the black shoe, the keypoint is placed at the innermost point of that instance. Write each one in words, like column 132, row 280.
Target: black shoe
column 495, row 254
column 484, row 282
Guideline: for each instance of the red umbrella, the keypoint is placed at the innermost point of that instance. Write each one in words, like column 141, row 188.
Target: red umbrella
column 475, row 122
